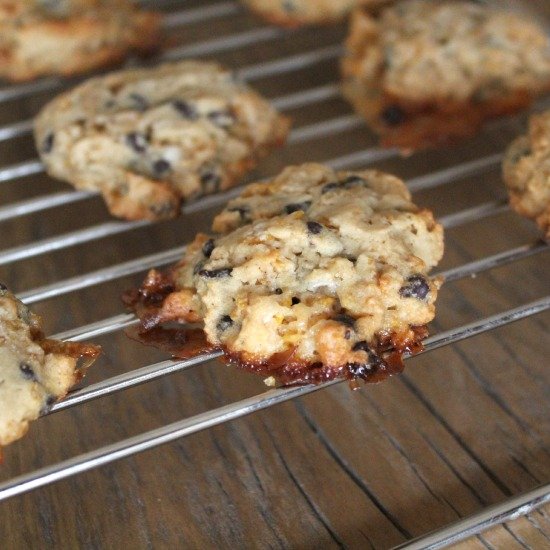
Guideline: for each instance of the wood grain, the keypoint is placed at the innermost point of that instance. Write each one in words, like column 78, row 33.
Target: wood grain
column 464, row 427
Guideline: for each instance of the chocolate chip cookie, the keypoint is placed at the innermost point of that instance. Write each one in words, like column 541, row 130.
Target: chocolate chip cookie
column 34, row 372
column 67, row 37
column 148, row 139
column 527, row 172
column 315, row 275
column 423, row 71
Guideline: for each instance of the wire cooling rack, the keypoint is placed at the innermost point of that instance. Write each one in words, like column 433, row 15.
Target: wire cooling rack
column 180, row 18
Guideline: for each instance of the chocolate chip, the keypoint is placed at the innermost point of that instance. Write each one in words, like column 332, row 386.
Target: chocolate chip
column 314, row 227
column 58, row 8
column 374, row 360
column 27, row 371
column 198, row 267
column 295, row 206
column 121, row 189
column 185, row 109
column 295, row 300
column 242, row 210
column 3, row 287
column 47, row 144
column 216, row 273
column 347, row 320
column 519, row 154
column 137, row 142
column 361, row 346
column 224, row 323
column 278, row 291
column 223, row 119
column 359, row 370
column 208, row 247
column 330, row 187
column 161, row 166
column 416, row 287
column 353, row 181
column 140, row 102
column 50, row 400
column 210, row 181
column 485, row 93
column 288, row 5
column 393, row 115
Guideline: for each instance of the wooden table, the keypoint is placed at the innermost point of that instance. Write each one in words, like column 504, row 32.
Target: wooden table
column 465, row 426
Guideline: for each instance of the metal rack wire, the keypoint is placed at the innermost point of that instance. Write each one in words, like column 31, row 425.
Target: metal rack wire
column 110, row 229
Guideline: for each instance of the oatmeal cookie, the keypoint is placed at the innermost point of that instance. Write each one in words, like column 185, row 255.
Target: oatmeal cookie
column 294, row 13
column 149, row 138
column 423, row 71
column 327, row 278
column 67, row 37
column 34, row 372
column 526, row 170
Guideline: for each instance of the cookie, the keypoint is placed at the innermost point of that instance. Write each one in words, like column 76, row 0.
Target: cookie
column 526, row 170
column 295, row 13
column 424, row 72
column 68, row 37
column 34, row 372
column 324, row 276
column 149, row 138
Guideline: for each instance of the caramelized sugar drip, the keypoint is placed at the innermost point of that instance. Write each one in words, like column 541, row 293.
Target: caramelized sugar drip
column 154, row 289
column 146, row 301
column 88, row 353
column 75, row 350
column 181, row 343
column 385, row 359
